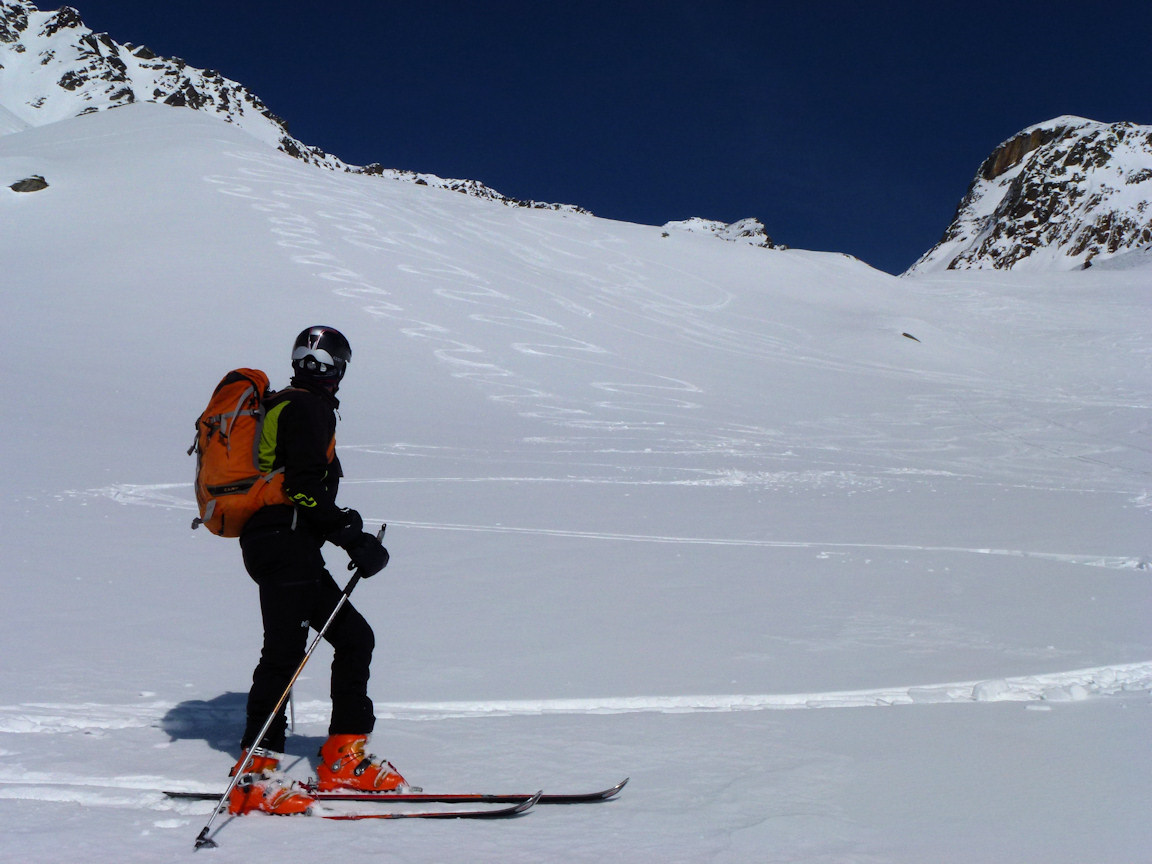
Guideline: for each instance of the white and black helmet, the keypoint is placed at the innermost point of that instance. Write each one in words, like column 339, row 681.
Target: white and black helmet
column 321, row 353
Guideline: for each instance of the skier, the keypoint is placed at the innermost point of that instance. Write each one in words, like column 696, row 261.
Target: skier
column 281, row 546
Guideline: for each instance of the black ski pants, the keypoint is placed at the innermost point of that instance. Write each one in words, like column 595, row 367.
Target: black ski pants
column 298, row 593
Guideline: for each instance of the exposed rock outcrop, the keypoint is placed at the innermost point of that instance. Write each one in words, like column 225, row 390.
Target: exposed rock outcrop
column 750, row 231
column 1059, row 195
column 30, row 184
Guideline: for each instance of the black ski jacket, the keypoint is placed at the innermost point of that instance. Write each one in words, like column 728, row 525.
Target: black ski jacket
column 299, row 436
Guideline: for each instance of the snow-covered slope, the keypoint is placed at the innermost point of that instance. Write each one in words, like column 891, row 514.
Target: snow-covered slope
column 1059, row 195
column 53, row 67
column 644, row 493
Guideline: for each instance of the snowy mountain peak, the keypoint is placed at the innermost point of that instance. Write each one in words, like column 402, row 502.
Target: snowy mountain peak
column 750, row 231
column 1064, row 194
column 53, row 67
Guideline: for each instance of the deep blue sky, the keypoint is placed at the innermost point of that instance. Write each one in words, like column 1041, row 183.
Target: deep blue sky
column 844, row 126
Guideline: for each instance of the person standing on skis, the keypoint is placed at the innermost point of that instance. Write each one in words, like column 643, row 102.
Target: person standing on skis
column 281, row 544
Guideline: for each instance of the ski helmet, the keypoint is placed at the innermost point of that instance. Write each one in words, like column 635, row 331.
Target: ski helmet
column 321, row 354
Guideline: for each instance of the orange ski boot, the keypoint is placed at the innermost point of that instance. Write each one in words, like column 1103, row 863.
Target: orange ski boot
column 261, row 789
column 343, row 765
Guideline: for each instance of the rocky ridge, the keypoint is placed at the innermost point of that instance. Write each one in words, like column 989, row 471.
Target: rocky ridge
column 748, row 231
column 53, row 67
column 1067, row 193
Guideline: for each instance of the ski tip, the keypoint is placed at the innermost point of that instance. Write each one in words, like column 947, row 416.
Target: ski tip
column 521, row 808
column 587, row 797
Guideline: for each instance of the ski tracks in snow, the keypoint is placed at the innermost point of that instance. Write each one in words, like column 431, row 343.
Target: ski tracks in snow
column 175, row 496
column 142, row 791
column 47, row 718
column 1072, row 686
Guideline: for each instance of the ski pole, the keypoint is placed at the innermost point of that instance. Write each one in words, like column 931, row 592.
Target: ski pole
column 202, row 839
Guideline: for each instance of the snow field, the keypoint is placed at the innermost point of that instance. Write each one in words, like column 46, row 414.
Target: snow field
column 641, row 493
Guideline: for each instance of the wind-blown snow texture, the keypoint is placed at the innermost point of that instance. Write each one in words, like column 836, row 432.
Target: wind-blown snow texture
column 694, row 512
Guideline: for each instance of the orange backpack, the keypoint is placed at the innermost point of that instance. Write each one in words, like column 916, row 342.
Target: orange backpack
column 229, row 484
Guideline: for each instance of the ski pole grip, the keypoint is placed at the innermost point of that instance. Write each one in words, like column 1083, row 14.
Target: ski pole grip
column 356, row 576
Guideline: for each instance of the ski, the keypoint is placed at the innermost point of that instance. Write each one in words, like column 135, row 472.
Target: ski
column 206, row 842
column 498, row 813
column 436, row 797
column 468, row 797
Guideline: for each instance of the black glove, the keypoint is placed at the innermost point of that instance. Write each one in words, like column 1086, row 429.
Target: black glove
column 349, row 531
column 367, row 555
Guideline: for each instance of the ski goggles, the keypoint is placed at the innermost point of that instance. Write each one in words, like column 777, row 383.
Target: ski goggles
column 324, row 360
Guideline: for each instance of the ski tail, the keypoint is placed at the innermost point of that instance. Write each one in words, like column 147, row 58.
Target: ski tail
column 509, row 812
